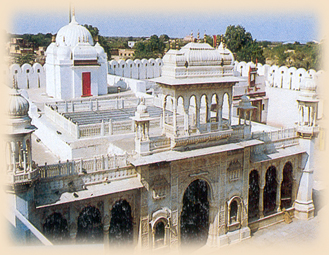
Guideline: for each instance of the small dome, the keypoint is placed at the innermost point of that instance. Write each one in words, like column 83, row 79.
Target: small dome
column 84, row 51
column 18, row 105
column 226, row 54
column 72, row 33
column 122, row 84
column 64, row 52
column 308, row 85
column 141, row 108
column 99, row 49
column 245, row 103
column 51, row 49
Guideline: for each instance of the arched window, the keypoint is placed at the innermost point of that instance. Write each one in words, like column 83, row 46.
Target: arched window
column 233, row 212
column 159, row 234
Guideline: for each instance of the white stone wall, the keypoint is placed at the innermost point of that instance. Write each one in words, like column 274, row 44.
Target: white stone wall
column 27, row 76
column 279, row 77
column 137, row 69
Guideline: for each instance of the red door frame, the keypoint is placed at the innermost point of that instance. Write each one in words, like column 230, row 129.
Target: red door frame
column 86, row 84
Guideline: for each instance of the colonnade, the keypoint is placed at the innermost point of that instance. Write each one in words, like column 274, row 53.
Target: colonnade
column 18, row 156
column 307, row 115
column 210, row 106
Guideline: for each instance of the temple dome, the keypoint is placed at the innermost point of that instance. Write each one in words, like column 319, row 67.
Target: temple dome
column 72, row 34
column 18, row 105
column 200, row 54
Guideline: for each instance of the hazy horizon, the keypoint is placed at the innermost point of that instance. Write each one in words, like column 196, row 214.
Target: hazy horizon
column 281, row 26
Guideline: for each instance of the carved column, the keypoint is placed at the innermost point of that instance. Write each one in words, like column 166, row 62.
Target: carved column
column 175, row 116
column 73, row 224
column 208, row 115
column 230, row 111
column 220, row 115
column 261, row 201
column 186, row 119
column 278, row 196
column 106, row 229
column 213, row 223
column 197, row 115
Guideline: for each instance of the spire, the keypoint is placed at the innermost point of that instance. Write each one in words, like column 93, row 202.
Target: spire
column 192, row 36
column 198, row 37
column 70, row 13
column 73, row 21
column 204, row 37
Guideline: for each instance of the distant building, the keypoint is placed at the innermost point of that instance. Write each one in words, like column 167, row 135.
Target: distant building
column 124, row 54
column 131, row 44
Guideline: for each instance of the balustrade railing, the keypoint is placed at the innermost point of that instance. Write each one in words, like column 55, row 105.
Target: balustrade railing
column 159, row 143
column 86, row 166
column 276, row 135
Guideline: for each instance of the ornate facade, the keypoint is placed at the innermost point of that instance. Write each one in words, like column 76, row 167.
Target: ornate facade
column 200, row 176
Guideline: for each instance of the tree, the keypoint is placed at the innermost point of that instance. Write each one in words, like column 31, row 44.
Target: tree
column 152, row 48
column 241, row 43
column 25, row 58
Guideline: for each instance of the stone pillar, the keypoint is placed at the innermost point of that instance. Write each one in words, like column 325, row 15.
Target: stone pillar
column 24, row 161
column 261, row 201
column 229, row 112
column 208, row 105
column 213, row 224
column 110, row 127
column 186, row 120
column 175, row 116
column 73, row 224
column 197, row 115
column 220, row 116
column 278, row 196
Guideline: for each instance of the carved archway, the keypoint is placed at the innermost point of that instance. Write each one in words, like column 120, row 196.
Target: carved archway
column 270, row 191
column 286, row 186
column 121, row 224
column 55, row 228
column 253, row 202
column 90, row 227
column 194, row 220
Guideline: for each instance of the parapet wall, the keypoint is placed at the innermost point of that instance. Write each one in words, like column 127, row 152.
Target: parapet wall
column 28, row 76
column 279, row 77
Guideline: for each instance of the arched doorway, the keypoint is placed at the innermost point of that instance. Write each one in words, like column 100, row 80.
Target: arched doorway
column 194, row 221
column 253, row 202
column 121, row 225
column 286, row 186
column 270, row 191
column 90, row 228
column 55, row 228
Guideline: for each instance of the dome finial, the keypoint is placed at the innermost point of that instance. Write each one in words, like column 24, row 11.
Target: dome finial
column 198, row 37
column 73, row 21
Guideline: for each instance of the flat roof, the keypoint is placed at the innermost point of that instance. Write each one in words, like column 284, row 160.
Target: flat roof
column 169, row 156
column 197, row 80
column 98, row 190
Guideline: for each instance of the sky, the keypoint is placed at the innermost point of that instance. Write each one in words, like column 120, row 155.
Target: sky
column 275, row 26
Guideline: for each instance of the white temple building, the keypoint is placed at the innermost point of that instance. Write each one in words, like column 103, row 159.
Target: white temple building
column 75, row 67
